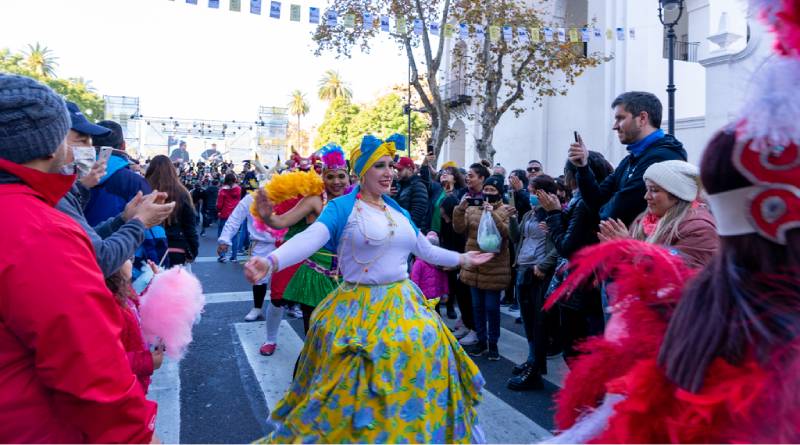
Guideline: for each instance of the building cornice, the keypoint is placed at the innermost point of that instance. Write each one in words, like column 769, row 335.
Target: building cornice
column 715, row 58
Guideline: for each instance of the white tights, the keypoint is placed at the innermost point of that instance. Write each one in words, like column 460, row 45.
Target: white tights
column 274, row 316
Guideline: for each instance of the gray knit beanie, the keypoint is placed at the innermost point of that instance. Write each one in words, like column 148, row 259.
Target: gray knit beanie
column 33, row 119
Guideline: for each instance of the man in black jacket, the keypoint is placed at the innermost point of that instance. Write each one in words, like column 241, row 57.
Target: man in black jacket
column 412, row 194
column 637, row 118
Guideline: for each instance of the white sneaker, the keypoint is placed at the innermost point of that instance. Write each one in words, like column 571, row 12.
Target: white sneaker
column 253, row 315
column 461, row 332
column 469, row 339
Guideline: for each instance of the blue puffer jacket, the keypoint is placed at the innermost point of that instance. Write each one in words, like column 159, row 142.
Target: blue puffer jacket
column 115, row 189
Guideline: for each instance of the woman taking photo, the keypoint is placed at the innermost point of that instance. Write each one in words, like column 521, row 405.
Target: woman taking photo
column 488, row 280
column 378, row 364
column 179, row 226
column 452, row 182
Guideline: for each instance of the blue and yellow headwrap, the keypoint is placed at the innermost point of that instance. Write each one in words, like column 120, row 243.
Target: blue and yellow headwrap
column 372, row 149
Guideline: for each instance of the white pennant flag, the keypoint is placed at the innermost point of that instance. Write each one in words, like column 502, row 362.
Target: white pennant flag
column 463, row 31
column 508, row 34
column 548, row 34
column 620, row 33
column 255, row 7
column 480, row 32
column 598, row 33
column 368, row 21
column 434, row 27
column 331, row 18
column 522, row 35
column 213, row 4
column 585, row 35
column 385, row 23
column 562, row 34
column 418, row 27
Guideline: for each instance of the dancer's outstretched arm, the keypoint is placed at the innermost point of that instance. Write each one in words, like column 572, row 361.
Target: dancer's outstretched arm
column 300, row 247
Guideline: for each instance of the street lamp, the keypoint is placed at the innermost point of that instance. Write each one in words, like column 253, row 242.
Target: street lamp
column 670, row 6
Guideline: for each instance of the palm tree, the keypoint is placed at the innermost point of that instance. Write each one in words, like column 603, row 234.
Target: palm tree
column 298, row 106
column 41, row 60
column 331, row 87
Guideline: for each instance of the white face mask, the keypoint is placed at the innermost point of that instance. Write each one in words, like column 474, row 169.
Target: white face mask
column 85, row 158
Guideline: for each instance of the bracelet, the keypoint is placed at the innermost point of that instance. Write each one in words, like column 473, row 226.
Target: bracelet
column 273, row 264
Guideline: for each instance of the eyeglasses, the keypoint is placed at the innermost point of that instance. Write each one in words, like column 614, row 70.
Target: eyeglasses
column 534, row 169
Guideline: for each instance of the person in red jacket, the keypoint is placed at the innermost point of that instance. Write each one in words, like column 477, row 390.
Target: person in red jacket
column 64, row 373
column 143, row 362
column 229, row 196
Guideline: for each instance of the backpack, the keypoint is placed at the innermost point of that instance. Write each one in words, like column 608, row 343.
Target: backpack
column 153, row 248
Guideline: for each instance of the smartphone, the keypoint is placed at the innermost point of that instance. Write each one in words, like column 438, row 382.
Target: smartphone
column 430, row 148
column 474, row 202
column 577, row 136
column 105, row 153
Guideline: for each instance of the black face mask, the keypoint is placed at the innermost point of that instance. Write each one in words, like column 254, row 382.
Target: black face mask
column 492, row 198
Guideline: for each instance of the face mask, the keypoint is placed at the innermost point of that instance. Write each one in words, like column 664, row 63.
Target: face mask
column 534, row 200
column 492, row 198
column 84, row 160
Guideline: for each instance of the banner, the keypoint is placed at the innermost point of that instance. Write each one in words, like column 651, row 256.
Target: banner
column 236, row 5
column 294, row 13
column 255, row 7
column 313, row 15
column 214, row 4
column 275, row 10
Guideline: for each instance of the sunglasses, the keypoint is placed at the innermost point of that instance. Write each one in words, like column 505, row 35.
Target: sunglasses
column 534, row 169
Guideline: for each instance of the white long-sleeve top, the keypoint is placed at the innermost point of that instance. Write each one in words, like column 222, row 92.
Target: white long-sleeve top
column 239, row 214
column 388, row 260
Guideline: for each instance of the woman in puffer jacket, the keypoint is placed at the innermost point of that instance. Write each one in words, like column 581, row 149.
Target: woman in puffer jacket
column 486, row 281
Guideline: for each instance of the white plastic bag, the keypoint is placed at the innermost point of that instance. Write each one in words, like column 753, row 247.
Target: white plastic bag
column 489, row 239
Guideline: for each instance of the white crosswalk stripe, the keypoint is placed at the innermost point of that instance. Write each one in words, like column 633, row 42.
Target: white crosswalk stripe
column 274, row 375
column 165, row 389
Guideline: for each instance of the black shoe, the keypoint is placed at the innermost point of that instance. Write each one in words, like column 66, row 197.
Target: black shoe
column 518, row 369
column 493, row 354
column 451, row 313
column 518, row 320
column 478, row 349
column 528, row 380
column 513, row 307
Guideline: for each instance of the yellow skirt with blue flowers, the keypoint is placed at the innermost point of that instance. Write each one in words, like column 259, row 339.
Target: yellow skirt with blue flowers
column 380, row 366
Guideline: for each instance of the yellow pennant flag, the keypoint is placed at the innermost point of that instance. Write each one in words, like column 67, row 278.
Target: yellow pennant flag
column 573, row 35
column 400, row 25
column 294, row 13
column 609, row 34
column 449, row 31
column 494, row 33
column 536, row 35
column 236, row 5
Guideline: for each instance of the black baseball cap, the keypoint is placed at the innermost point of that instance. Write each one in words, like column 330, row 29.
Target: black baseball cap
column 114, row 138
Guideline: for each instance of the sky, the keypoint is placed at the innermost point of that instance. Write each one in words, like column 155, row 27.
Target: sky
column 190, row 61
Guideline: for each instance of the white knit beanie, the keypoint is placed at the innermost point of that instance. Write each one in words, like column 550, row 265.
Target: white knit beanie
column 677, row 177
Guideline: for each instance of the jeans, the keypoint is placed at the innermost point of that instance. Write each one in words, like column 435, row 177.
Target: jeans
column 235, row 241
column 486, row 309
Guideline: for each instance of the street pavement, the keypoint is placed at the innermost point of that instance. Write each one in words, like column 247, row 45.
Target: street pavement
column 222, row 390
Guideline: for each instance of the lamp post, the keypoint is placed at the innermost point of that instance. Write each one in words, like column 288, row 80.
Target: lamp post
column 669, row 6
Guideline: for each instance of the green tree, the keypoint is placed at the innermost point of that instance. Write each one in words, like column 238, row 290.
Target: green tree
column 331, row 87
column 298, row 106
column 79, row 92
column 335, row 125
column 41, row 60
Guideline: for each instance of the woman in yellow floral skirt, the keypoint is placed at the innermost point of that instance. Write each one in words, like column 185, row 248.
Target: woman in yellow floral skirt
column 378, row 365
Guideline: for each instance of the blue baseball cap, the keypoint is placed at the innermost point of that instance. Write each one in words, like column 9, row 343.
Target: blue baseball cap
column 81, row 124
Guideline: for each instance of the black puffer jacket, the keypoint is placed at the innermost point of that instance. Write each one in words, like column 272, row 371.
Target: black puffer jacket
column 574, row 228
column 413, row 196
column 621, row 195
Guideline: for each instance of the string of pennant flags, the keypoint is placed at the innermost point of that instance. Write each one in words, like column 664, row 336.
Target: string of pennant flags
column 371, row 21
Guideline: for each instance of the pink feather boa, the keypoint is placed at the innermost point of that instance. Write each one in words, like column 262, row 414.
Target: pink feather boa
column 169, row 308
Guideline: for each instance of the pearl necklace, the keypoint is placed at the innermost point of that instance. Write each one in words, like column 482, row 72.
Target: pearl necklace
column 369, row 240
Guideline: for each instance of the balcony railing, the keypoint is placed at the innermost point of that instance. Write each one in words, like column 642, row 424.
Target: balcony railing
column 456, row 93
column 686, row 51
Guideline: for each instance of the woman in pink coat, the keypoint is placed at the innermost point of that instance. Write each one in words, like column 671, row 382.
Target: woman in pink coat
column 431, row 280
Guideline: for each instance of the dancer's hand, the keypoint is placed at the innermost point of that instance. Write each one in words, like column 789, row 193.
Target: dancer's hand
column 256, row 269
column 475, row 258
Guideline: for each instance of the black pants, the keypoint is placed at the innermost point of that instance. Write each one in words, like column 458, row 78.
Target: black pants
column 307, row 310
column 579, row 322
column 259, row 293
column 459, row 292
column 534, row 319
